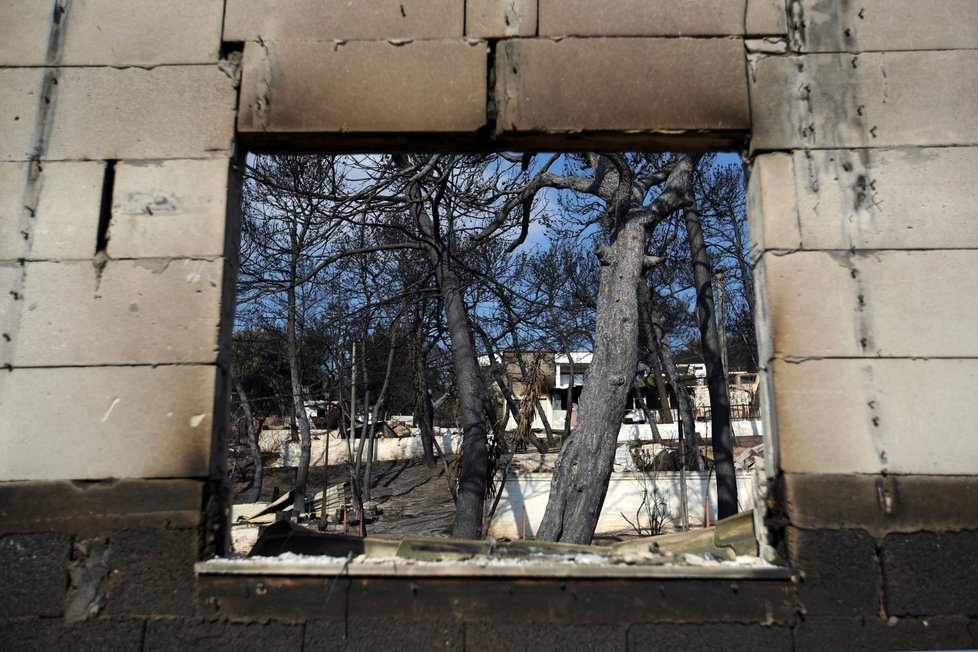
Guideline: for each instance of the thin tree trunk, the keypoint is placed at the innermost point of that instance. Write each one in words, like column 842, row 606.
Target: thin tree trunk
column 255, row 492
column 298, row 406
column 353, row 401
column 551, row 441
column 746, row 279
column 448, row 471
column 656, row 335
column 471, row 391
column 722, row 321
column 665, row 410
column 423, row 411
column 323, row 516
column 358, row 465
column 374, row 418
column 716, row 376
column 646, row 413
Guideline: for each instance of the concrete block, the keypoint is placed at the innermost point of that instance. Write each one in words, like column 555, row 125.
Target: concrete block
column 641, row 17
column 91, row 636
column 132, row 312
column 11, row 288
column 20, row 90
column 574, row 85
column 815, row 634
column 386, row 634
column 34, row 580
column 181, row 635
column 13, row 179
column 907, row 198
column 25, row 27
column 773, row 204
column 270, row 20
column 828, row 101
column 548, row 637
column 309, row 86
column 766, row 18
column 93, row 509
column 832, row 325
column 152, row 572
column 142, row 32
column 831, row 588
column 106, row 422
column 873, row 303
column 881, row 25
column 66, row 220
column 165, row 112
column 932, row 574
column 705, row 636
column 169, row 209
column 900, row 416
column 500, row 18
column 584, row 602
column 882, row 505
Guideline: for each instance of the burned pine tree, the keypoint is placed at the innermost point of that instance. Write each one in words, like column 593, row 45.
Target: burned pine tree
column 580, row 480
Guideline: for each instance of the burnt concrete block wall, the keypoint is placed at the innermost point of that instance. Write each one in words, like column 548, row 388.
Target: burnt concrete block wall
column 864, row 239
column 121, row 122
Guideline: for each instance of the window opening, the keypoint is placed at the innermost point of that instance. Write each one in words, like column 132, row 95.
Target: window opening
column 423, row 340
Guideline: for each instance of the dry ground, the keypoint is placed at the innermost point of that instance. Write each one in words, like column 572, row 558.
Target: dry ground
column 413, row 500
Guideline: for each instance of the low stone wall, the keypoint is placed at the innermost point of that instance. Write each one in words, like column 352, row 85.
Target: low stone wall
column 386, row 449
column 670, row 431
column 409, row 448
column 626, row 492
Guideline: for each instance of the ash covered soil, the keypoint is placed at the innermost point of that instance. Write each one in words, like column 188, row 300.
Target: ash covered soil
column 412, row 499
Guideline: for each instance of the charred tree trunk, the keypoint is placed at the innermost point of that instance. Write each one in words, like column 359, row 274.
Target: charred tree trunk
column 471, row 390
column 374, row 417
column 424, row 413
column 358, row 463
column 645, row 412
column 255, row 492
column 471, row 396
column 655, row 334
column 665, row 410
column 580, row 480
column 716, row 376
column 298, row 405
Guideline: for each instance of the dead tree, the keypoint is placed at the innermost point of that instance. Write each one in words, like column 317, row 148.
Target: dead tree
column 255, row 491
column 716, row 375
column 656, row 340
column 580, row 480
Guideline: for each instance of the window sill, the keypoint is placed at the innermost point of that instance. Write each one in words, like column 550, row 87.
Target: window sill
column 296, row 565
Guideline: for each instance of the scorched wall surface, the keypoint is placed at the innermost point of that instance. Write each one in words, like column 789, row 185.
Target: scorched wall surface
column 857, row 119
